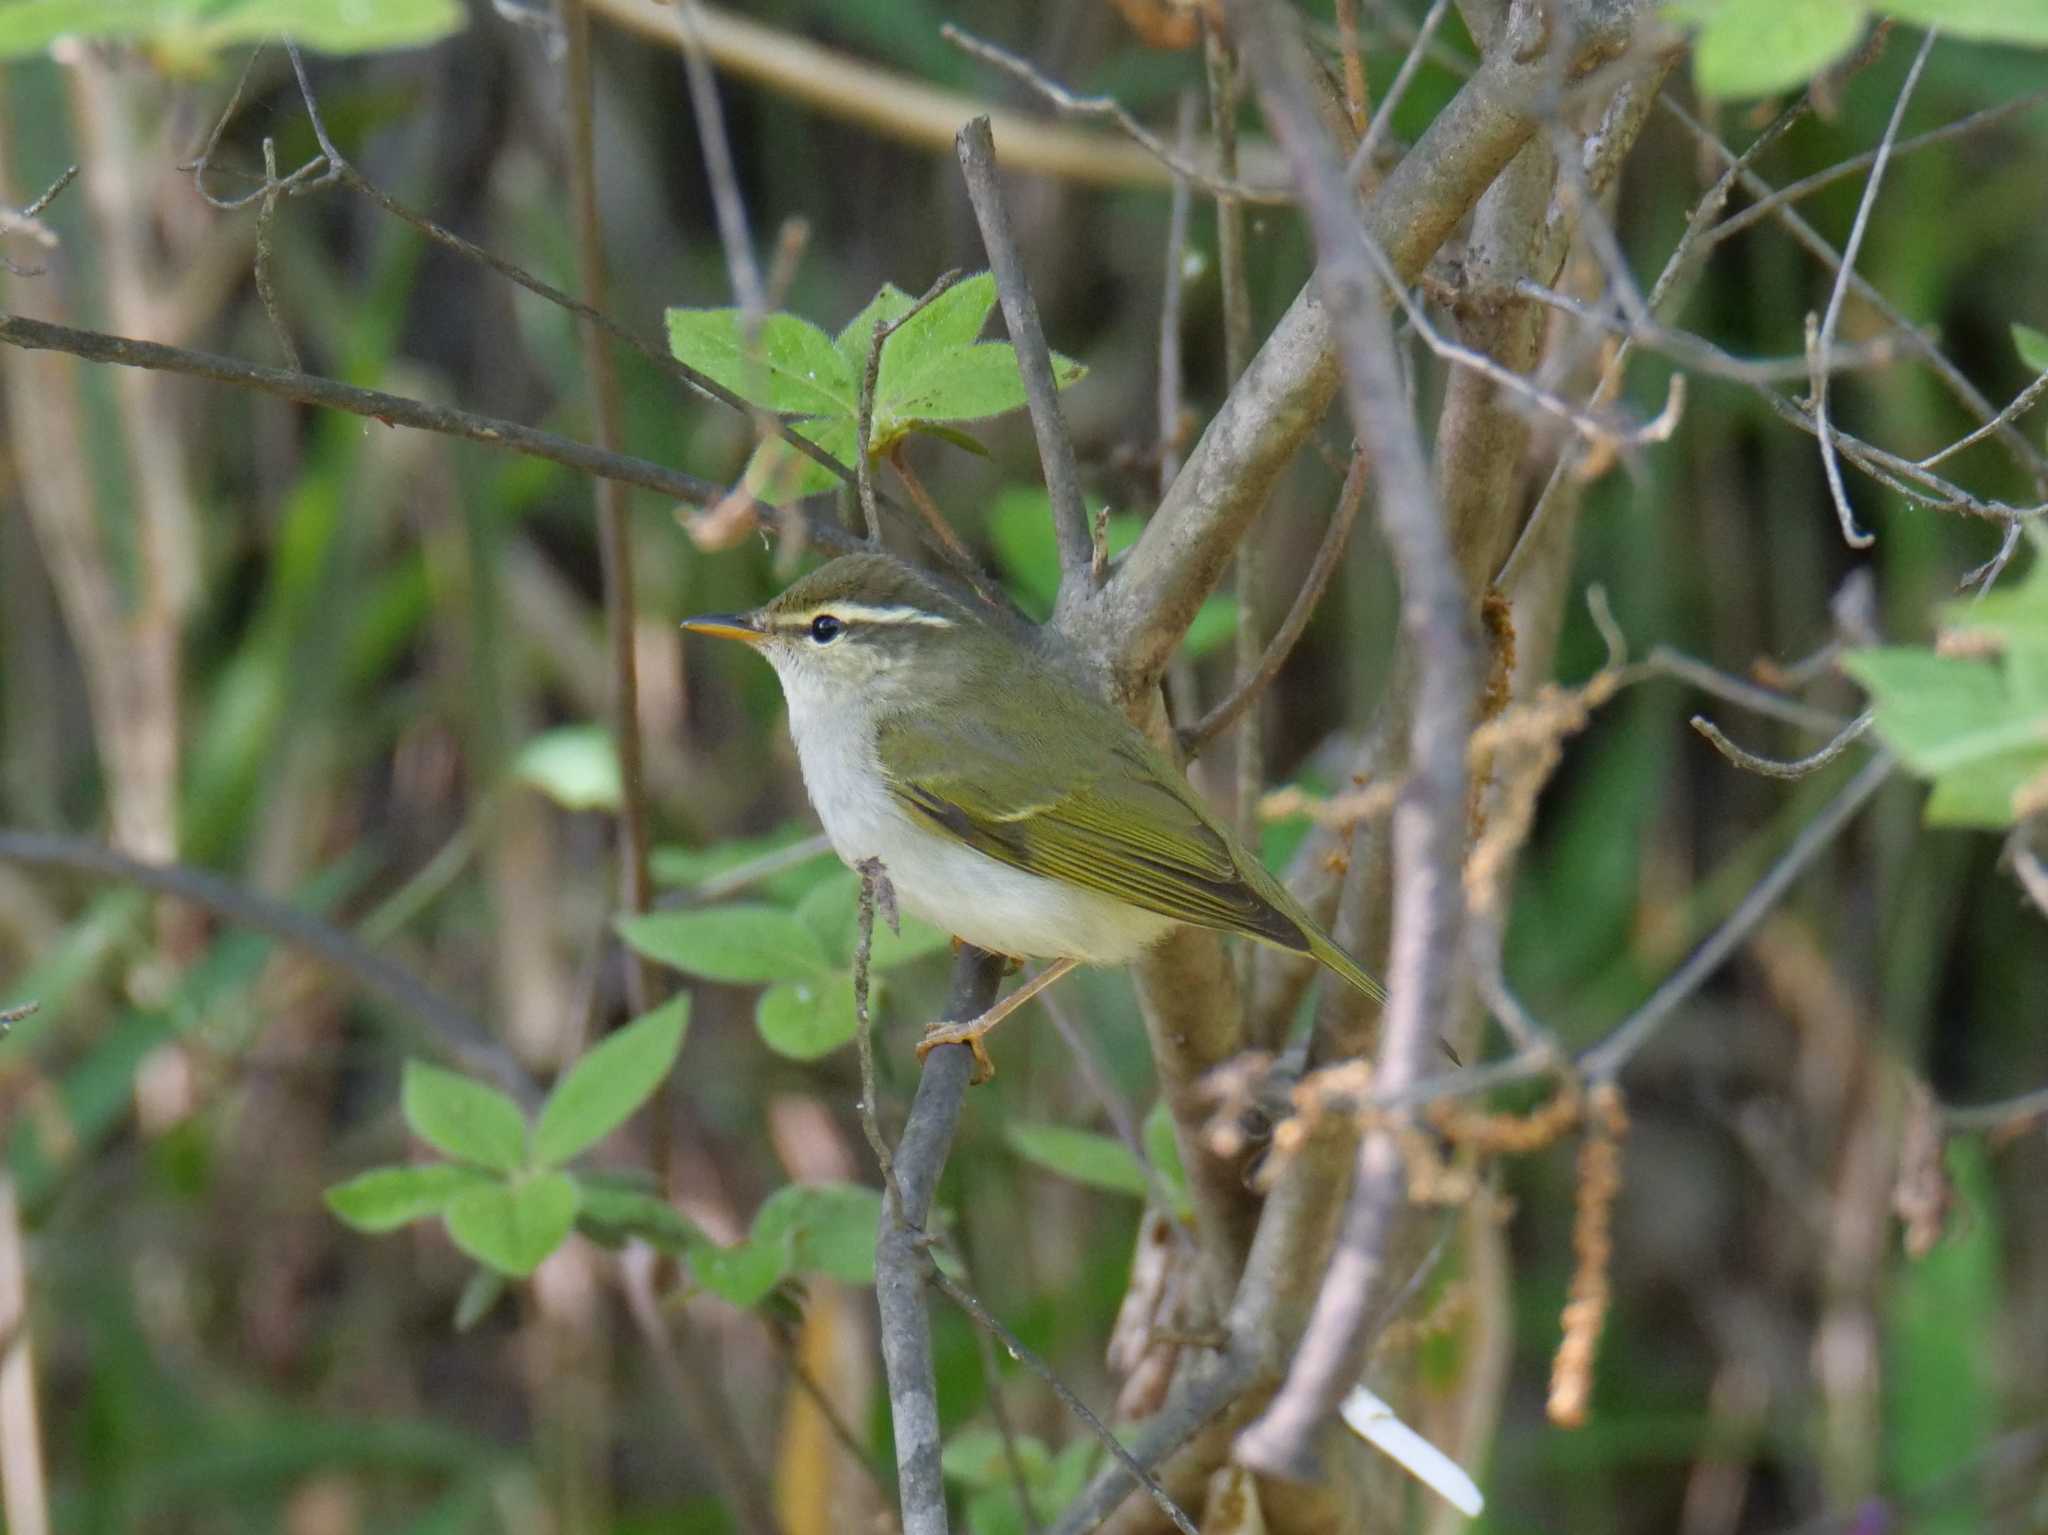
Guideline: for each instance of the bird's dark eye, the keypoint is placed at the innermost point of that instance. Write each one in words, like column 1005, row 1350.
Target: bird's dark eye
column 825, row 629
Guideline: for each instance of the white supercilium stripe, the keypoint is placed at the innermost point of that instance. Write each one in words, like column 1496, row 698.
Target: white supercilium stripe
column 863, row 613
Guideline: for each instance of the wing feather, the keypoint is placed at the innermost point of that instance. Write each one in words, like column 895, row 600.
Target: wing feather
column 1124, row 826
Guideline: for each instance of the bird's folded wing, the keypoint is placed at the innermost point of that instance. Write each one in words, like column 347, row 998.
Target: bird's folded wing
column 1116, row 827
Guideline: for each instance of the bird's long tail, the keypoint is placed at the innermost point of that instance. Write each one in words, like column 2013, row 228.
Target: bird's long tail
column 1328, row 953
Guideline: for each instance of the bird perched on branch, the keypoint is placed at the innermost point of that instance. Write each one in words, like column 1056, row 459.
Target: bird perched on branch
column 1007, row 804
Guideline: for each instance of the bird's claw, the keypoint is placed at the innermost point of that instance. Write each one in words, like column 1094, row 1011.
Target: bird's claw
column 968, row 1034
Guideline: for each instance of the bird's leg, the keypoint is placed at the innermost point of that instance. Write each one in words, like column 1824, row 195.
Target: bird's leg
column 970, row 1033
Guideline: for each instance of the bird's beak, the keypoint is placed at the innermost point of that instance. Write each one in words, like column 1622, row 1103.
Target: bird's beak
column 743, row 627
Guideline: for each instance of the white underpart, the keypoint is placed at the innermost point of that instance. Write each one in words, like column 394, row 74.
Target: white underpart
column 1367, row 1416
column 950, row 885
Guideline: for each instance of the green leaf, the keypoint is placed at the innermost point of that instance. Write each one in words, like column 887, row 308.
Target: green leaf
column 1215, row 623
column 184, row 34
column 743, row 1274
column 1977, row 727
column 1941, row 1363
column 969, row 384
column 858, row 333
column 1760, row 47
column 1020, row 527
column 2032, row 345
column 576, row 766
column 462, row 1118
column 796, row 370
column 385, row 1198
column 686, row 868
column 778, row 475
column 975, row 1457
column 1099, row 1161
column 742, row 945
column 610, row 1212
column 512, row 1226
column 601, row 1091
column 830, row 1228
column 949, row 323
column 485, row 1289
column 1162, row 1149
column 1984, row 21
column 804, row 1020
column 832, row 910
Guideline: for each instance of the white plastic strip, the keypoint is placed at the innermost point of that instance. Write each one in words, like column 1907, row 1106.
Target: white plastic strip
column 1374, row 1422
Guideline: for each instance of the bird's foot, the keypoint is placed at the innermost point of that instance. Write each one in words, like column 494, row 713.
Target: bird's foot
column 969, row 1034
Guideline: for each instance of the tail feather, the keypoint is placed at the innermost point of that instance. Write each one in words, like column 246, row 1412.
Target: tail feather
column 1343, row 965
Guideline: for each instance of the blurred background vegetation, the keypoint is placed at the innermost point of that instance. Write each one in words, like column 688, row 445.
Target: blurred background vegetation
column 333, row 646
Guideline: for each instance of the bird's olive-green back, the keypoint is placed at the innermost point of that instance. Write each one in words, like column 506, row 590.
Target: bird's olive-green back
column 1015, row 760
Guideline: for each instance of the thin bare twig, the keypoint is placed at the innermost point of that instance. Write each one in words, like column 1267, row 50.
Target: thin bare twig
column 1735, row 690
column 966, row 1300
column 391, row 409
column 1224, row 184
column 864, row 422
column 1925, row 347
column 875, row 891
column 1823, row 346
column 1430, row 823
column 727, row 205
column 693, row 1382
column 339, row 169
column 1806, row 186
column 1772, row 767
column 1605, row 1060
column 900, row 1260
column 27, row 221
column 1361, row 157
column 264, row 291
column 1193, row 1407
column 1328, row 555
column 645, row 986
column 1170, row 290
column 461, row 1035
column 977, row 153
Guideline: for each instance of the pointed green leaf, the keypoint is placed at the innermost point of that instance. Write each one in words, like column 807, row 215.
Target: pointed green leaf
column 805, row 1020
column 689, row 867
column 186, row 33
column 1983, row 21
column 1099, row 1161
column 969, row 384
column 2032, row 345
column 1758, row 47
column 794, row 368
column 462, row 1118
column 610, row 1212
column 778, row 475
column 1162, row 1150
column 743, row 1274
column 949, row 323
column 385, row 1198
column 742, row 945
column 601, row 1091
column 576, row 766
column 513, row 1226
column 830, row 1227
column 854, row 339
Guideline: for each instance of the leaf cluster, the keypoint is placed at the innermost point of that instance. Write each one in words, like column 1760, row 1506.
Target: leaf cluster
column 933, row 374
